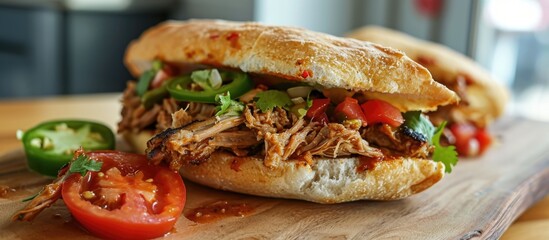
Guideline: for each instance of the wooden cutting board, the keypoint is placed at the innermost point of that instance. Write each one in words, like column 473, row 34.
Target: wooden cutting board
column 479, row 199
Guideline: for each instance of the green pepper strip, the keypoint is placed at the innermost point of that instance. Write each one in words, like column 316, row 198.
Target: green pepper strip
column 155, row 96
column 239, row 86
column 49, row 161
column 146, row 78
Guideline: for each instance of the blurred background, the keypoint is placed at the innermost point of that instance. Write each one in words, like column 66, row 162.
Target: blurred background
column 60, row 47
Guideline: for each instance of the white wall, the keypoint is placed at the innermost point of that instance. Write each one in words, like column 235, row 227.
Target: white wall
column 329, row 16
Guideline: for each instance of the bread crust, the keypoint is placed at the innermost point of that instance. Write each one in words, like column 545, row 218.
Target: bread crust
column 486, row 97
column 292, row 53
column 327, row 181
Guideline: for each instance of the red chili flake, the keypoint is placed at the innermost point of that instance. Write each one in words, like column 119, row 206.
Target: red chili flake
column 235, row 164
column 305, row 74
column 214, row 36
column 232, row 36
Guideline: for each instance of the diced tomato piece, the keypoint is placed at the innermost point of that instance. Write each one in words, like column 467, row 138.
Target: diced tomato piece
column 378, row 111
column 318, row 107
column 350, row 109
column 321, row 118
column 164, row 74
column 484, row 139
column 464, row 133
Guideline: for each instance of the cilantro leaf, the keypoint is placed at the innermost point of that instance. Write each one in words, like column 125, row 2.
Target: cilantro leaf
column 82, row 164
column 267, row 100
column 446, row 155
column 227, row 106
column 420, row 124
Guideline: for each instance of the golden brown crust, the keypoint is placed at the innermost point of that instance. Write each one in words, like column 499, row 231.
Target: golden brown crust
column 485, row 96
column 291, row 53
column 328, row 181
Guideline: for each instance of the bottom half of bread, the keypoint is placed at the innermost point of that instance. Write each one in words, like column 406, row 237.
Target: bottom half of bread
column 327, row 180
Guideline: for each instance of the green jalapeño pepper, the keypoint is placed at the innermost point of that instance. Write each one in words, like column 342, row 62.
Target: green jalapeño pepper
column 146, row 78
column 179, row 88
column 50, row 145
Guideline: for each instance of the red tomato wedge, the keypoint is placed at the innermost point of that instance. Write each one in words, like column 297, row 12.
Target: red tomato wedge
column 318, row 107
column 127, row 199
column 321, row 118
column 484, row 139
column 378, row 111
column 470, row 140
column 161, row 76
column 350, row 109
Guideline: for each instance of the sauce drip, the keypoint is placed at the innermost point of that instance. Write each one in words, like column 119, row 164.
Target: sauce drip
column 367, row 163
column 219, row 210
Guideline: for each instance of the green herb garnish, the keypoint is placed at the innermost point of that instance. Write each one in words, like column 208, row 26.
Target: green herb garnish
column 420, row 124
column 227, row 106
column 82, row 164
column 270, row 99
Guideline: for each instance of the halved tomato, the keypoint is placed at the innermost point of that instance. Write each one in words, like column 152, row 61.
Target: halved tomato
column 127, row 199
column 378, row 111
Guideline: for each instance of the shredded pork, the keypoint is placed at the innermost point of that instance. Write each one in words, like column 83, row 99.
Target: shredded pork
column 281, row 136
column 167, row 114
column 192, row 133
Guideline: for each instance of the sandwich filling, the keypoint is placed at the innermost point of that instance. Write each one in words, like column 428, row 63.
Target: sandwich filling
column 198, row 113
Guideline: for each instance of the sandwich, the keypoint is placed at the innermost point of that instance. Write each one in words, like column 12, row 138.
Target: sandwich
column 483, row 99
column 284, row 112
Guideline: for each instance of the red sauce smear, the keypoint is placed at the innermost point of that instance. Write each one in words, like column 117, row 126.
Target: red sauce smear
column 233, row 38
column 235, row 164
column 367, row 163
column 219, row 210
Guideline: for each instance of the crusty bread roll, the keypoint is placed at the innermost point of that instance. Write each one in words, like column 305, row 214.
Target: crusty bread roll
column 300, row 55
column 295, row 54
column 327, row 181
column 486, row 98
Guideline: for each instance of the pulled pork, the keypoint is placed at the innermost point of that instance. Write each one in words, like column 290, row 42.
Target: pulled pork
column 135, row 117
column 281, row 136
column 401, row 141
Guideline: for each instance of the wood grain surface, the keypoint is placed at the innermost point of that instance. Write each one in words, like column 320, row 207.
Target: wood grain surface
column 479, row 200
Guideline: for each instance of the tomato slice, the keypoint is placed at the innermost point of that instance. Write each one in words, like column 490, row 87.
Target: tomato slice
column 349, row 110
column 318, row 107
column 127, row 199
column 378, row 111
